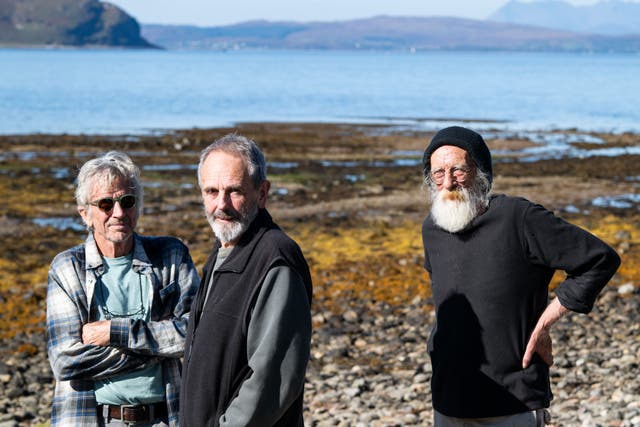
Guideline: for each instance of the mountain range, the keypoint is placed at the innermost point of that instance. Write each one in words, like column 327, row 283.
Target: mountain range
column 543, row 25
column 386, row 33
column 613, row 17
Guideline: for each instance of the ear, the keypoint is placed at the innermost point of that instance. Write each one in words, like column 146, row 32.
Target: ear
column 85, row 215
column 263, row 192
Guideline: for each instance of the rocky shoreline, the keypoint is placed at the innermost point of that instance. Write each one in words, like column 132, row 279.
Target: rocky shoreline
column 351, row 195
column 369, row 367
column 594, row 379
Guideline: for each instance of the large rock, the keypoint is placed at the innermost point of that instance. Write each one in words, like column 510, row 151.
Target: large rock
column 67, row 23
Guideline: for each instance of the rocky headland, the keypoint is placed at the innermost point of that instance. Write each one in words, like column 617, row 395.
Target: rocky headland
column 351, row 195
column 72, row 23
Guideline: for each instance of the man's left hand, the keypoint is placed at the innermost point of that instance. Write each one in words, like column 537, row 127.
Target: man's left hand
column 540, row 342
column 97, row 333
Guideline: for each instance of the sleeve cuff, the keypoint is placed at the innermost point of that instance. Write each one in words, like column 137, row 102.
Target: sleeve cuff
column 572, row 302
column 119, row 333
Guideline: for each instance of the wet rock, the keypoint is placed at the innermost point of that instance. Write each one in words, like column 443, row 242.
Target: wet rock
column 627, row 288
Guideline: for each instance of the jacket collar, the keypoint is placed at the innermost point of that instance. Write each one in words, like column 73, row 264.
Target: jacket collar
column 239, row 257
column 94, row 260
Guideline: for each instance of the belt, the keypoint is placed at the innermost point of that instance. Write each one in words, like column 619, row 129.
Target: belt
column 135, row 413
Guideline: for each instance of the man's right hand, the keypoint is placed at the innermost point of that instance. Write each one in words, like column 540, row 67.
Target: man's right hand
column 97, row 333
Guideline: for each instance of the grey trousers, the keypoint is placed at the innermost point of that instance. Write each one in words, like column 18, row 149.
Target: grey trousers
column 525, row 419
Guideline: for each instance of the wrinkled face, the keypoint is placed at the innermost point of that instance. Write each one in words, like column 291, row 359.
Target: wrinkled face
column 113, row 229
column 231, row 201
column 455, row 189
column 451, row 169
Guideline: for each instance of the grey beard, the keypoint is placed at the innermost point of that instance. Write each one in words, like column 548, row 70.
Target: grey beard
column 231, row 232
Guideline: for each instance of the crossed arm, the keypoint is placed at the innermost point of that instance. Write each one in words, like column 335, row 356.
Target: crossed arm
column 97, row 333
column 79, row 349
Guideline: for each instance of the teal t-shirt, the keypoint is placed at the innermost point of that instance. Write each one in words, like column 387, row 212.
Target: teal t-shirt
column 121, row 292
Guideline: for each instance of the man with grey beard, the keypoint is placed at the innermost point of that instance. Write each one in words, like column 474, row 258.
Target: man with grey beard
column 490, row 259
column 249, row 333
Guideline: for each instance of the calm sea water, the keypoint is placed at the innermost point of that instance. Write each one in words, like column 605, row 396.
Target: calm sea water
column 106, row 91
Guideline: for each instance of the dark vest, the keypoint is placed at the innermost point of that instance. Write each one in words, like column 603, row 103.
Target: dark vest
column 216, row 364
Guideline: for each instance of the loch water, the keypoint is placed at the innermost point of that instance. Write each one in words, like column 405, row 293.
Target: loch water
column 146, row 91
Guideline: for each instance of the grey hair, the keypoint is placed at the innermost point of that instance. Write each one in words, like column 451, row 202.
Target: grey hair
column 104, row 171
column 243, row 147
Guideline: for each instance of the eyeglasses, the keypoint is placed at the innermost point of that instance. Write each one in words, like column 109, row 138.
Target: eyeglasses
column 127, row 201
column 110, row 314
column 459, row 173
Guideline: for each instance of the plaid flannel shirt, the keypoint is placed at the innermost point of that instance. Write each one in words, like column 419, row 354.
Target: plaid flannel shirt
column 133, row 343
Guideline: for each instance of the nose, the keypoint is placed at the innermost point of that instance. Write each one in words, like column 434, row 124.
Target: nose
column 223, row 200
column 450, row 182
column 117, row 210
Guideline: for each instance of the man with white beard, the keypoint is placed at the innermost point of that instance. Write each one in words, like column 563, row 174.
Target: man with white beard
column 249, row 332
column 490, row 259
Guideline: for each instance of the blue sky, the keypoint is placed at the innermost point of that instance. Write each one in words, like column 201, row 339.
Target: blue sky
column 221, row 12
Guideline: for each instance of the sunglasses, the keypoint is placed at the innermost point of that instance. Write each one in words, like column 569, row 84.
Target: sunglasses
column 110, row 314
column 127, row 201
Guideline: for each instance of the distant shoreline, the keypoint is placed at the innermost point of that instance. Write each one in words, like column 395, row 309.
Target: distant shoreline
column 425, row 124
column 388, row 33
column 8, row 46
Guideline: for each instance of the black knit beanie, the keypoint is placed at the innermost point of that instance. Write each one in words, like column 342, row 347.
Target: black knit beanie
column 466, row 139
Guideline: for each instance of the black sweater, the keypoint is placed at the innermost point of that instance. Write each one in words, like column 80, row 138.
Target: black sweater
column 490, row 285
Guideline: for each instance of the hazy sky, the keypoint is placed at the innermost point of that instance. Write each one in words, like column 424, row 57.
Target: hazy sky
column 217, row 12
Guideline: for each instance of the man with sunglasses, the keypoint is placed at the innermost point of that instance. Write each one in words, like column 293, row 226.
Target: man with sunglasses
column 117, row 309
column 250, row 329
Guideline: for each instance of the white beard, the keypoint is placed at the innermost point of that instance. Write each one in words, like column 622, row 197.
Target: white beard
column 454, row 210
